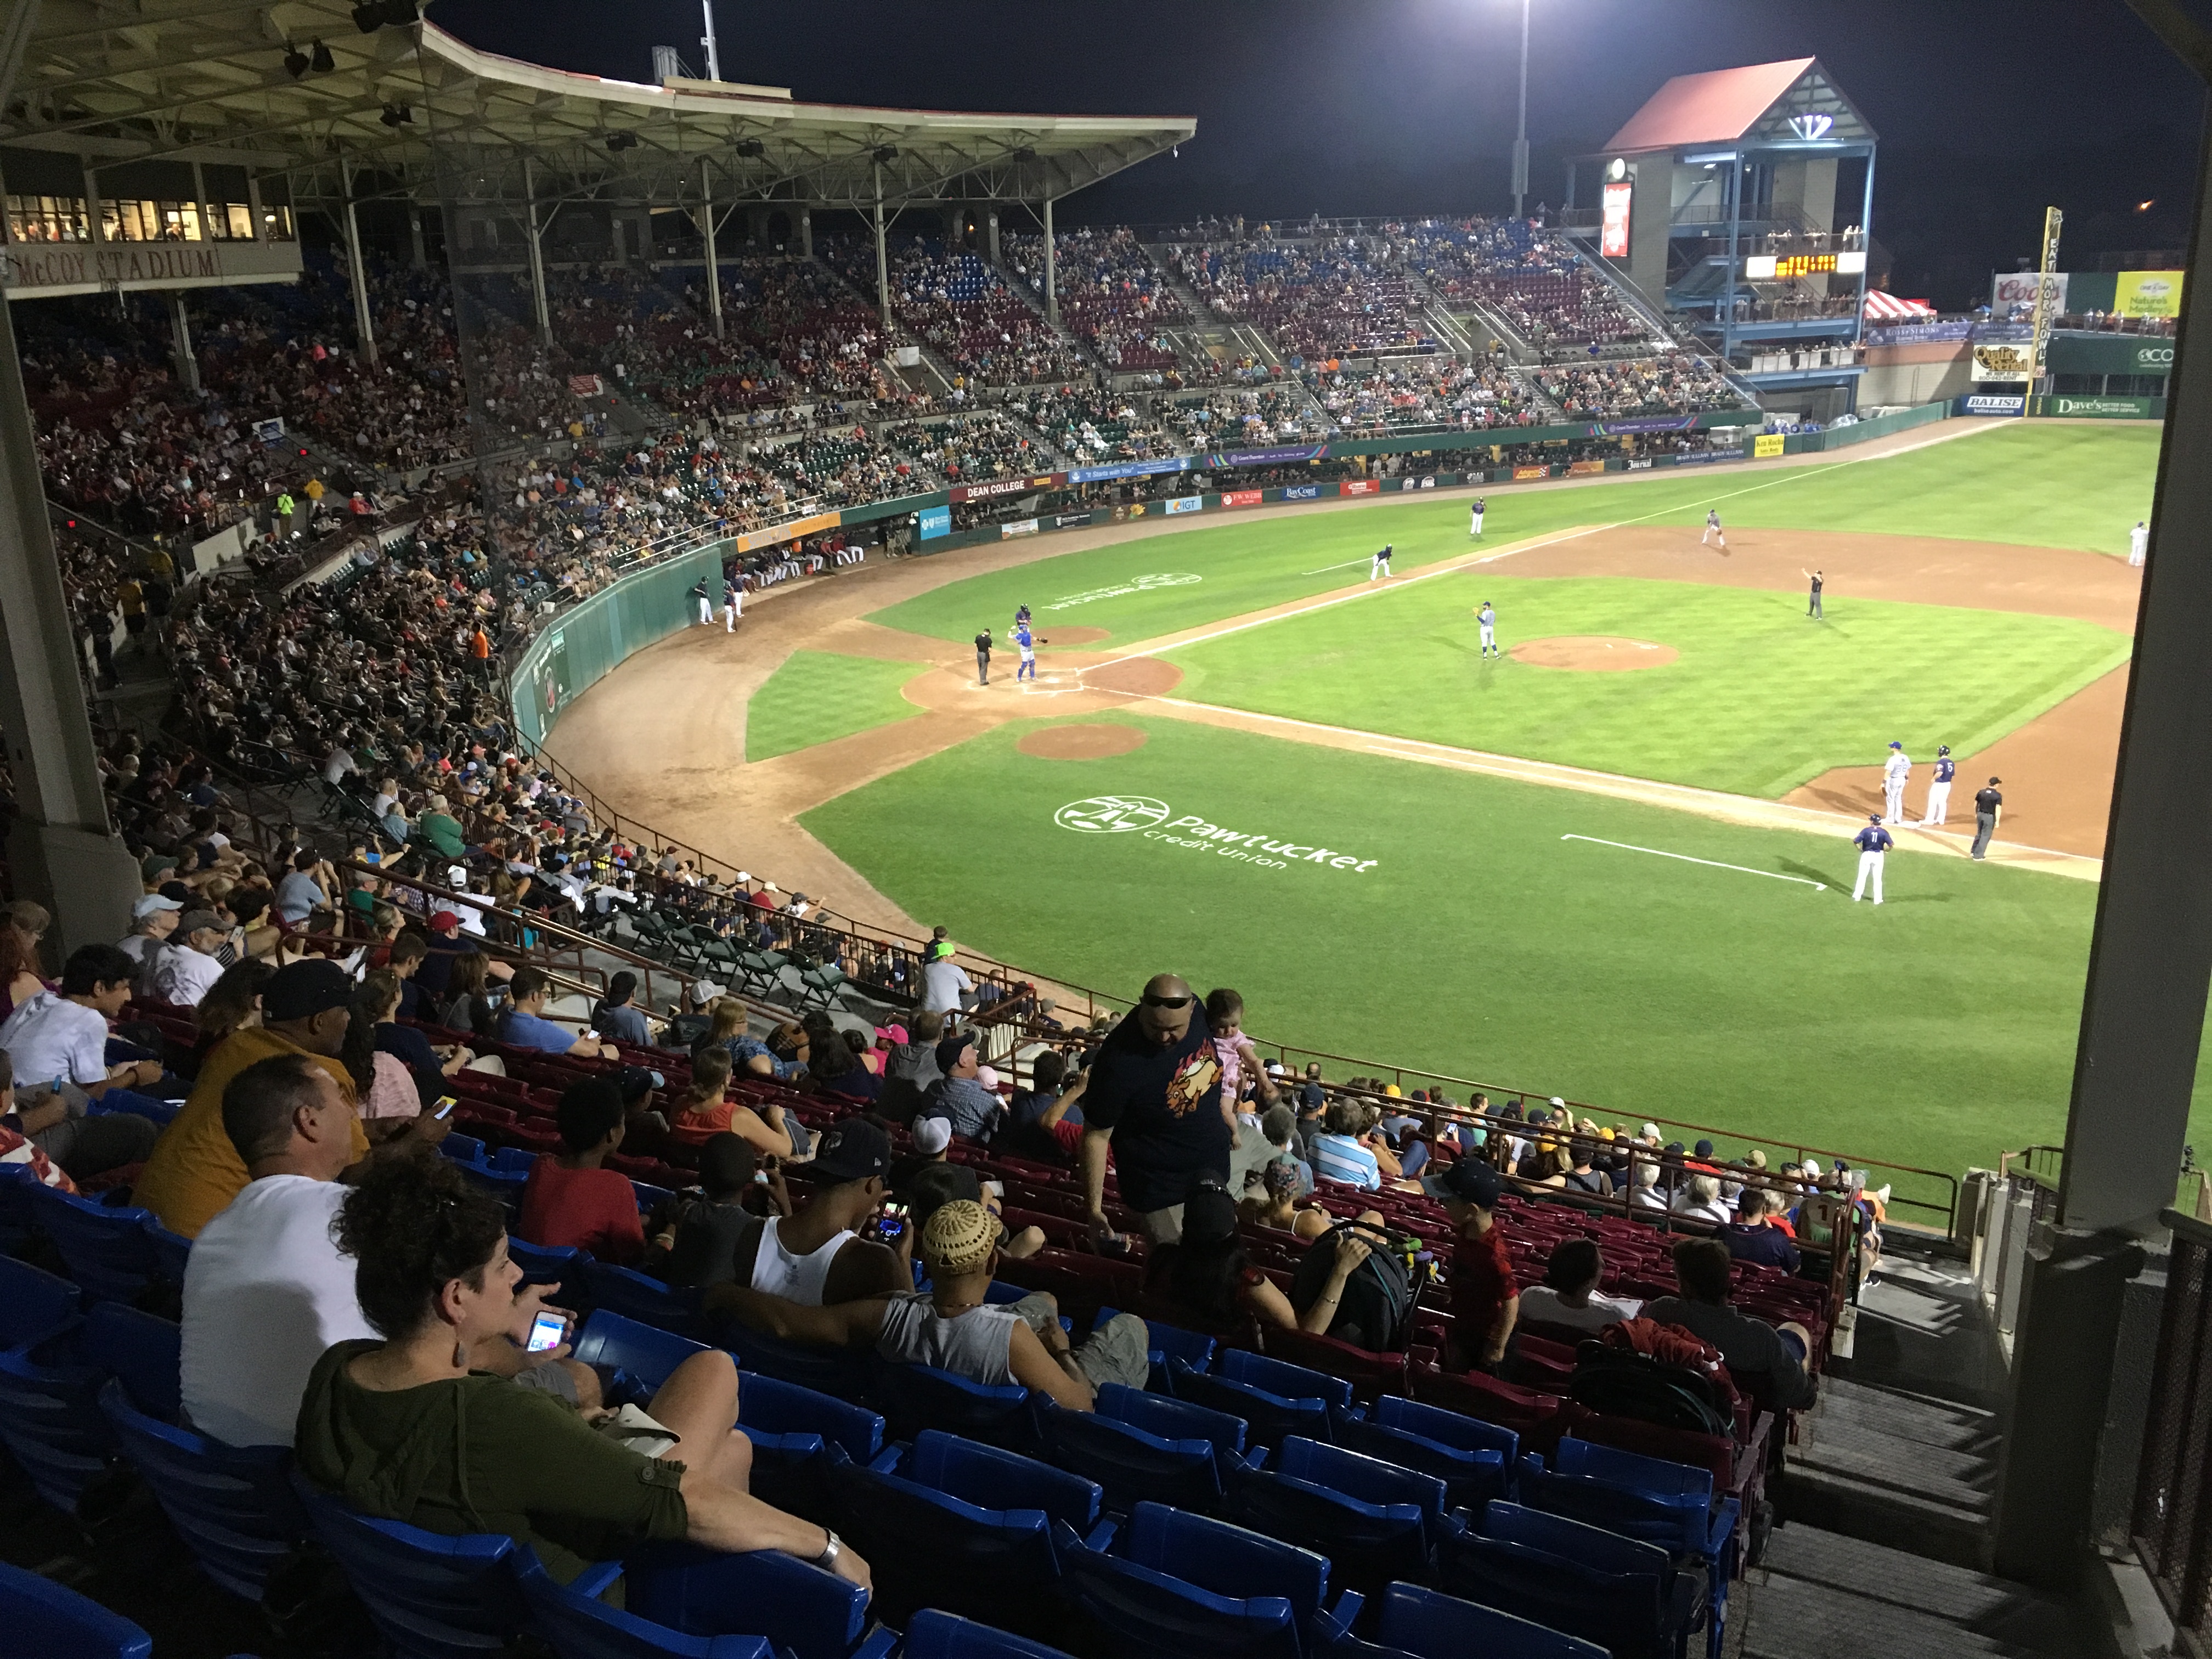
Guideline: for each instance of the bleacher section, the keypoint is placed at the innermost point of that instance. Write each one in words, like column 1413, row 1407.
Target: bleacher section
column 1530, row 276
column 1321, row 300
column 1424, row 394
column 958, row 305
column 1111, row 294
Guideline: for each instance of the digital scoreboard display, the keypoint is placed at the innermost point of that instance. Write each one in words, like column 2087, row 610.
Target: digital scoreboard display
column 1769, row 267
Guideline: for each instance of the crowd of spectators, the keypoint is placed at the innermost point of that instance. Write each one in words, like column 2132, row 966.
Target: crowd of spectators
column 1530, row 275
column 1246, row 417
column 1329, row 298
column 1674, row 383
column 956, row 302
column 1110, row 294
column 1425, row 393
column 1092, row 426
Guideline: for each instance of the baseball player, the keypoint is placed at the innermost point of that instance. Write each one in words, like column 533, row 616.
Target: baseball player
column 706, row 605
column 1895, row 771
column 1021, row 614
column 1474, row 518
column 1872, row 842
column 1488, row 618
column 1027, row 642
column 1939, row 792
column 1382, row 565
column 733, row 604
column 1813, row 606
column 1713, row 531
column 2139, row 542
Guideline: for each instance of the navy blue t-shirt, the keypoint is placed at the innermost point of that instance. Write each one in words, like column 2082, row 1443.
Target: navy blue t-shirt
column 1765, row 1247
column 1164, row 1108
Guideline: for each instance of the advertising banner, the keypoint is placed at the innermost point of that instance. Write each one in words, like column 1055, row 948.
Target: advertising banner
column 2017, row 288
column 2149, row 293
column 2110, row 354
column 998, row 487
column 1644, row 465
column 1521, row 473
column 1183, row 504
column 1072, row 520
column 1918, row 333
column 1282, row 457
column 1991, row 361
column 1613, row 237
column 785, row 533
column 934, row 522
column 1984, row 402
column 1584, row 469
column 1766, row 444
column 2102, row 409
column 1019, row 527
column 1643, row 423
column 1242, row 497
column 1360, row 487
column 1301, row 492
column 1695, row 456
column 1127, row 470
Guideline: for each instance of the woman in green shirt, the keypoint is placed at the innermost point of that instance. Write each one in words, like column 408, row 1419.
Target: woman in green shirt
column 415, row 1429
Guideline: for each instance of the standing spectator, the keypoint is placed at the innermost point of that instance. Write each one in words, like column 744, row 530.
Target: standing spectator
column 1153, row 1096
column 1486, row 1300
column 945, row 986
column 571, row 1200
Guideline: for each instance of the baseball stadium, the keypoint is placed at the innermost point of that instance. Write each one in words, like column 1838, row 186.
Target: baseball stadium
column 807, row 880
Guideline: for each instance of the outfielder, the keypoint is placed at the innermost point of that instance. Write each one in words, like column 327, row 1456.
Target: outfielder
column 1027, row 642
column 1382, row 565
column 1895, row 771
column 1872, row 842
column 1939, row 792
column 1474, row 517
column 1713, row 531
column 2139, row 542
column 1488, row 618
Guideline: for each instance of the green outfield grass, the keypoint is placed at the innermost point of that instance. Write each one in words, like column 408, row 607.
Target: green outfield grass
column 1937, row 1030
column 818, row 697
column 2032, row 484
column 1759, row 701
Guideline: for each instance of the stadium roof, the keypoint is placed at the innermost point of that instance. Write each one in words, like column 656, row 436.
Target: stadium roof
column 1757, row 101
column 221, row 79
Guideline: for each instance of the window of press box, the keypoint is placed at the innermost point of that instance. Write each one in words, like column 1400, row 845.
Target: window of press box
column 47, row 219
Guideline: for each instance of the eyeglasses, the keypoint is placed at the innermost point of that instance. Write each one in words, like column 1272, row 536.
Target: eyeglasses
column 1165, row 1002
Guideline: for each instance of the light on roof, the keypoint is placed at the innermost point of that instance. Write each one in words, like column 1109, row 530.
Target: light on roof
column 751, row 148
column 322, row 63
column 295, row 62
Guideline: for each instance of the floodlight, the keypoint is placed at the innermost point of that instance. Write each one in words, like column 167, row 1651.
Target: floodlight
column 295, row 62
column 751, row 148
column 322, row 63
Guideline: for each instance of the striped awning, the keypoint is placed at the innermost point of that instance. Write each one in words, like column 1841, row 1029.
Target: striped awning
column 1883, row 307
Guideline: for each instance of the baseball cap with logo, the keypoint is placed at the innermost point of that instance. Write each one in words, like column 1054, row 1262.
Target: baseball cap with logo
column 854, row 1150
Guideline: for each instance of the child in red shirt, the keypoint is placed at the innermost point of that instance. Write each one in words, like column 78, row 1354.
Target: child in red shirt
column 571, row 1201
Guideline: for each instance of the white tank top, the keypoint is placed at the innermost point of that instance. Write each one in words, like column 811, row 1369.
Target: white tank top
column 798, row 1278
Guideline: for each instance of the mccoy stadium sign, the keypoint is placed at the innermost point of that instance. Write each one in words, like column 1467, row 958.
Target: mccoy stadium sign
column 1117, row 815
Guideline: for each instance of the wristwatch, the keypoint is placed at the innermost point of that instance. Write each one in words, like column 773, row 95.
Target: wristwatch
column 828, row 1559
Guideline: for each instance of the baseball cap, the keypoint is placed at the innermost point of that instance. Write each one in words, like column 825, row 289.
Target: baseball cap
column 706, row 990
column 949, row 1049
column 1463, row 1180
column 854, row 1151
column 1649, row 1132
column 193, row 921
column 1896, row 745
column 302, row 989
column 1558, row 1103
column 932, row 1187
column 153, row 902
column 1209, row 1217
column 1703, row 1149
column 445, row 921
column 931, row 1135
column 959, row 1237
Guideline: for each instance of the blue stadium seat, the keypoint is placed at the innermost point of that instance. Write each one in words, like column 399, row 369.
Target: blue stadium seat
column 231, row 1506
column 159, row 1113
column 1368, row 1542
column 34, row 1304
column 802, row 1610
column 639, row 1297
column 50, row 1417
column 1451, row 1428
column 1132, row 1466
column 464, row 1149
column 1624, row 1596
column 1268, row 1417
column 1166, row 1342
column 144, row 1352
column 17, row 1225
column 918, row 1397
column 770, row 1409
column 1471, row 1479
column 983, row 1474
column 1180, row 1583
column 43, row 1617
column 644, row 1354
column 1279, row 1377
column 1171, row 1418
column 512, row 1160
column 1424, row 1624
column 1369, row 1479
column 106, row 1250
column 541, row 1265
column 841, row 1375
column 172, row 1254
column 432, row 1597
column 578, row 1626
column 933, row 1635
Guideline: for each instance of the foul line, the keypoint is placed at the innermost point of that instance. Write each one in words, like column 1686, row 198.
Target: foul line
column 1346, row 565
column 1817, row 886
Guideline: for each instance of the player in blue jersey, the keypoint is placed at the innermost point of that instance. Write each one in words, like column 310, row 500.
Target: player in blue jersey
column 1939, row 792
column 1873, row 843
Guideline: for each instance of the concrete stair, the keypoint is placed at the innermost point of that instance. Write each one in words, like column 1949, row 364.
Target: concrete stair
column 1824, row 1596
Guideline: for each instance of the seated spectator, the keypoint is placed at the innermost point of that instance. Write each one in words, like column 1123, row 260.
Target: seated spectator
column 1582, row 1175
column 932, row 1139
column 936, row 1183
column 616, row 1015
column 956, row 1328
column 1569, row 1295
column 1486, row 1300
column 697, row 1242
column 1700, row 1200
column 233, row 1002
column 748, row 1054
column 22, row 926
column 463, row 1002
column 1774, row 1354
column 1270, row 1200
column 571, row 1200
column 186, row 969
column 410, row 1429
column 910, row 1069
column 816, row 1255
column 1644, row 1192
column 1276, row 1140
column 838, row 1069
column 524, row 1026
column 436, row 825
column 1350, row 1153
column 388, row 1088
column 956, row 1095
column 1753, row 1237
column 64, row 1035
column 305, row 891
column 152, row 919
column 704, row 1107
column 1207, row 1275
column 17, row 1151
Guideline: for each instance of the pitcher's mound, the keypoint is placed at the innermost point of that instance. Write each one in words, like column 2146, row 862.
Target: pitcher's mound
column 1080, row 741
column 1059, row 635
column 1598, row 653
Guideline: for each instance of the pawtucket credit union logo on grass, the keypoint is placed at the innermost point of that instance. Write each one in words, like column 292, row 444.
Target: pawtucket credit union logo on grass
column 1109, row 815
column 1141, row 585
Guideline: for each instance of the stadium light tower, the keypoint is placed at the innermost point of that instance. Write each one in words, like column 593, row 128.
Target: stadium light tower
column 714, row 56
column 1520, row 132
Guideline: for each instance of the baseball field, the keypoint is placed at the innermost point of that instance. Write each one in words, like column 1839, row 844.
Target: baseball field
column 1612, row 862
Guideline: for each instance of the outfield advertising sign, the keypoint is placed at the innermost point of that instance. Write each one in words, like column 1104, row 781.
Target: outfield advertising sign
column 934, row 522
column 1301, row 492
column 1145, row 816
column 1360, row 487
column 1245, row 497
column 1019, row 527
column 1183, row 504
column 2103, row 409
column 2148, row 293
column 1989, row 403
column 1766, row 444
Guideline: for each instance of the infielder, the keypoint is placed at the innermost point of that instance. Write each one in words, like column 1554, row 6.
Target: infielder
column 2139, row 542
column 1488, row 618
column 1812, row 607
column 1027, row 642
column 1382, row 565
column 1939, row 792
column 1872, row 842
column 1895, row 771
column 1713, row 531
column 1474, row 518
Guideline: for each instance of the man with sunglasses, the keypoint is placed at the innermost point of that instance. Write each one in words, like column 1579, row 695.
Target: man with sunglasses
column 1154, row 1096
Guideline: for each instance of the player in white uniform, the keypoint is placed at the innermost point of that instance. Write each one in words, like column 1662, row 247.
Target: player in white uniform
column 2139, row 542
column 1488, row 618
column 1939, row 792
column 1895, row 771
column 734, row 605
column 1874, row 843
column 1474, row 518
column 1713, row 531
column 1382, row 565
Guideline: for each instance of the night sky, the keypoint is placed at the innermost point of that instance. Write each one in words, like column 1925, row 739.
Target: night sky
column 1986, row 113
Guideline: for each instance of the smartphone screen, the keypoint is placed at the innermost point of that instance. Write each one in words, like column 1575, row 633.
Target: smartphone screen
column 546, row 1332
column 446, row 1108
column 892, row 1222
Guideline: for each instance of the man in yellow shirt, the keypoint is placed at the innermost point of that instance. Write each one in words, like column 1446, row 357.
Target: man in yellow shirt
column 195, row 1170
